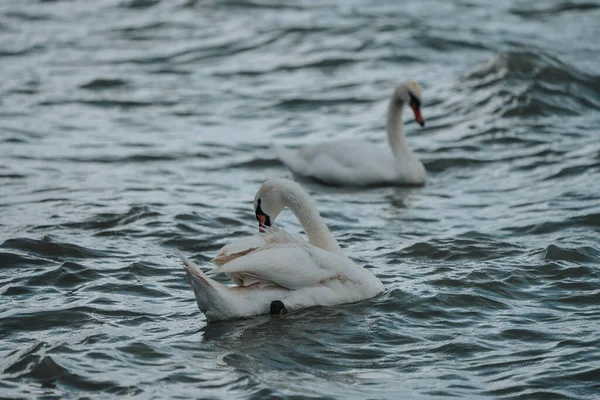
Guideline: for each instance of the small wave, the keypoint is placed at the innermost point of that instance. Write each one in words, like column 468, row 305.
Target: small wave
column 573, row 298
column 255, row 163
column 580, row 254
column 146, row 157
column 137, row 270
column 446, row 43
column 202, row 247
column 110, row 103
column 589, row 374
column 529, row 84
column 74, row 317
column 17, row 291
column 546, row 10
column 114, row 220
column 441, row 164
column 527, row 335
column 559, row 271
column 21, row 52
column 27, row 16
column 466, row 246
column 328, row 62
column 574, row 170
column 13, row 140
column 12, row 176
column 254, row 4
column 34, row 363
column 143, row 351
column 307, row 103
column 43, row 369
column 148, row 27
column 591, row 220
column 537, row 65
column 134, row 4
column 402, row 59
column 19, row 362
column 68, row 275
column 469, row 300
column 25, row 135
column 460, row 349
column 12, row 260
column 47, row 247
column 134, row 289
column 103, row 83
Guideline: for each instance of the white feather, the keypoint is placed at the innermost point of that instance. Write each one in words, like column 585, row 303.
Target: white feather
column 248, row 244
column 275, row 265
column 362, row 163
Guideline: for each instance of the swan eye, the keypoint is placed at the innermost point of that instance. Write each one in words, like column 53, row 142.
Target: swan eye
column 414, row 100
column 258, row 209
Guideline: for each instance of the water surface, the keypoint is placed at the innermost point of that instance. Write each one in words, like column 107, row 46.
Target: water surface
column 132, row 128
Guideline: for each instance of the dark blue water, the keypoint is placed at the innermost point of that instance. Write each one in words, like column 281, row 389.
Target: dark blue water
column 132, row 128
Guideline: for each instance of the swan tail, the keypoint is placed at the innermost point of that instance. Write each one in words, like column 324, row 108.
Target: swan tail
column 291, row 158
column 213, row 298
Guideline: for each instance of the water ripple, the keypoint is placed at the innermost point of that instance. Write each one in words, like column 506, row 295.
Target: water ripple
column 134, row 128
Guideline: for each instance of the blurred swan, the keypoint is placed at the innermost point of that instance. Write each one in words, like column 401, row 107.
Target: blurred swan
column 361, row 163
column 275, row 271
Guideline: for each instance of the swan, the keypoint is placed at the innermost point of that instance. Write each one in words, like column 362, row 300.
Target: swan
column 273, row 271
column 361, row 163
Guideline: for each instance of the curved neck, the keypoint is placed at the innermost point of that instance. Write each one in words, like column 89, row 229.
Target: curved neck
column 311, row 221
column 395, row 132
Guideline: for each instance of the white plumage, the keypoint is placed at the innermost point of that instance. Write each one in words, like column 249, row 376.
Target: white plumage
column 361, row 163
column 275, row 265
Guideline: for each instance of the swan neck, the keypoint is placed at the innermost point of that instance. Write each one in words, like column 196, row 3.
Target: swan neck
column 394, row 128
column 317, row 232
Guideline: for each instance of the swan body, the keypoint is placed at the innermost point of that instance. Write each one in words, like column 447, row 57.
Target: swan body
column 276, row 266
column 362, row 163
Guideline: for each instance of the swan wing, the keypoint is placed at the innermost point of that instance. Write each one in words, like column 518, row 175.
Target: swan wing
column 350, row 162
column 243, row 246
column 294, row 266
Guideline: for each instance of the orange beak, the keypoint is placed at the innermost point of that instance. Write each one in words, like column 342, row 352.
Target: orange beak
column 261, row 222
column 418, row 115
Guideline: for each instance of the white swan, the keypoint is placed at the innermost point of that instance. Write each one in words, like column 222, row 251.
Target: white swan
column 274, row 271
column 361, row 163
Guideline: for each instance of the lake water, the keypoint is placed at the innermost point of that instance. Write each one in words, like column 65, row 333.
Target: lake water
column 132, row 128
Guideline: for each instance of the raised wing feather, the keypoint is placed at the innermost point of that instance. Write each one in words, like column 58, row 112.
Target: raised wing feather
column 246, row 245
column 292, row 266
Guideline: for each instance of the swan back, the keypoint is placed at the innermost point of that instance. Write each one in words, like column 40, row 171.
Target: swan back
column 243, row 246
column 275, row 266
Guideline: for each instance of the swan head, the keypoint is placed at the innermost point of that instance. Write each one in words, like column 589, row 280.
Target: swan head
column 269, row 202
column 409, row 92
